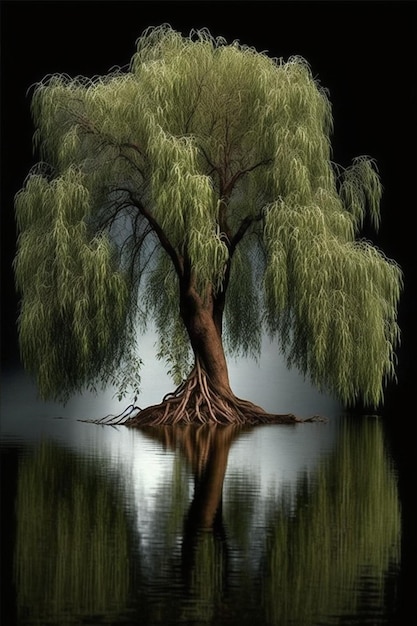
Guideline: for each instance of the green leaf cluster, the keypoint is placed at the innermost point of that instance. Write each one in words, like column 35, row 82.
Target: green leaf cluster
column 214, row 159
column 75, row 308
column 331, row 299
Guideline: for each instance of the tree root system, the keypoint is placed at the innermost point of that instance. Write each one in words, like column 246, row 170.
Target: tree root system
column 196, row 402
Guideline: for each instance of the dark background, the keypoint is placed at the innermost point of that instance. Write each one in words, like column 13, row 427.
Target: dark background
column 364, row 52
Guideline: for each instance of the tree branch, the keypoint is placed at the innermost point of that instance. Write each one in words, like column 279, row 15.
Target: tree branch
column 232, row 182
column 214, row 168
column 108, row 223
column 132, row 146
column 163, row 239
column 243, row 228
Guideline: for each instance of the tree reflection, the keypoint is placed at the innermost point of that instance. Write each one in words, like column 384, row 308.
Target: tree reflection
column 74, row 540
column 204, row 551
column 215, row 547
column 316, row 552
column 333, row 549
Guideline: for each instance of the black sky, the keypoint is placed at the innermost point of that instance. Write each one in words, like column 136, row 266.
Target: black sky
column 365, row 53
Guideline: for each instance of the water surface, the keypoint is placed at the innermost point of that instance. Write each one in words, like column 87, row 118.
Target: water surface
column 272, row 525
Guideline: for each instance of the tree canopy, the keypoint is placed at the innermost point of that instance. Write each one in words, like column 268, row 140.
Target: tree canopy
column 210, row 161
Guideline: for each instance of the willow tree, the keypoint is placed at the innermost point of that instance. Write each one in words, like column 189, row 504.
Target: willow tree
column 196, row 188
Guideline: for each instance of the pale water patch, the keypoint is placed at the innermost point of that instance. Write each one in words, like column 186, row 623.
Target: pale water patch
column 302, row 519
column 307, row 522
column 267, row 382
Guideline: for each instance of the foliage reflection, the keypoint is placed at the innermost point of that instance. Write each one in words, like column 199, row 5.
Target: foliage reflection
column 333, row 548
column 74, row 538
column 220, row 549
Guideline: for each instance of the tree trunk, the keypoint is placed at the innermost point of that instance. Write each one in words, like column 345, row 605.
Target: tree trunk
column 203, row 324
column 205, row 397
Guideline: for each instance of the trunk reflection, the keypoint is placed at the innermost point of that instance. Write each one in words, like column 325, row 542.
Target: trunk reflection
column 209, row 543
column 204, row 551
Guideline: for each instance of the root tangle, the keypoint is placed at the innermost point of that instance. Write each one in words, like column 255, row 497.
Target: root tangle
column 195, row 401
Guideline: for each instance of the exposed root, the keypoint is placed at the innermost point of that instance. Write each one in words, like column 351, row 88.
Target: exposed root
column 195, row 401
column 115, row 420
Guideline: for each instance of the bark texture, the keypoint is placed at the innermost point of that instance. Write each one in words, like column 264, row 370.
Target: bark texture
column 205, row 397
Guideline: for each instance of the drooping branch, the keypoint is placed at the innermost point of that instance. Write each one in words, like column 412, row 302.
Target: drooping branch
column 206, row 121
column 226, row 190
column 117, row 209
column 214, row 167
column 163, row 239
column 242, row 230
column 137, row 236
column 132, row 163
column 132, row 146
column 138, row 243
column 228, row 187
column 158, row 230
column 232, row 241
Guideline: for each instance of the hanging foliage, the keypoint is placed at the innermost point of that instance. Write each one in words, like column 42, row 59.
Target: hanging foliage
column 205, row 165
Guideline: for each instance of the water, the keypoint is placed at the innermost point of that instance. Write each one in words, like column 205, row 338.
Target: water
column 272, row 525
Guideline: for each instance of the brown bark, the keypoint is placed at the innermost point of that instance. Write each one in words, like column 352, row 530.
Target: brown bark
column 209, row 485
column 202, row 320
column 205, row 397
